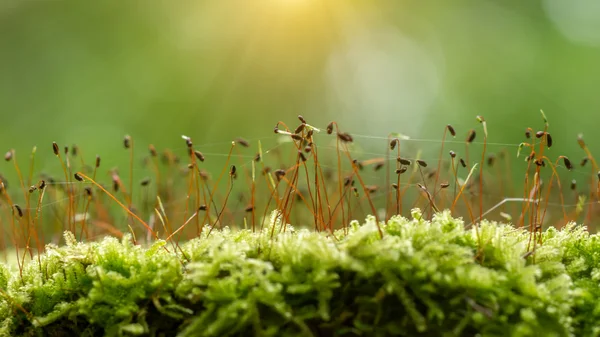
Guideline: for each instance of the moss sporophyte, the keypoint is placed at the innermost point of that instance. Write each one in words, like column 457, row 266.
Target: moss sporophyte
column 451, row 245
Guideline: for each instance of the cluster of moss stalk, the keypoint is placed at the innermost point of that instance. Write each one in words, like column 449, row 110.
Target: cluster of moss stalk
column 423, row 278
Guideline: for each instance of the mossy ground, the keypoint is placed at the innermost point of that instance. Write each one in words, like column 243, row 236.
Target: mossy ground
column 423, row 278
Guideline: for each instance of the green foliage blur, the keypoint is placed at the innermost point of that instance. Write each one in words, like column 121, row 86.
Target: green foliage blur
column 89, row 72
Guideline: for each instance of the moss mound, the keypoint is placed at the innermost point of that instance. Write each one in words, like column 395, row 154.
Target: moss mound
column 422, row 279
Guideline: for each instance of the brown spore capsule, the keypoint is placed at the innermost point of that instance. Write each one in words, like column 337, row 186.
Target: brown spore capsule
column 393, row 143
column 296, row 137
column 452, row 154
column 471, row 136
column 451, row 130
column 145, row 182
column 548, row 140
column 462, row 163
column 8, row 156
column 202, row 208
column 242, row 142
column 573, row 184
column 568, row 164
column 300, row 128
column 421, row 163
column 249, row 208
column 199, row 155
column 97, row 161
column 401, row 170
column 527, row 133
column 55, row 149
column 584, row 161
column 444, row 185
column 345, row 137
column 78, row 177
column 301, row 119
column 127, row 141
column 330, row 128
column 539, row 134
column 19, row 210
column 279, row 174
column 404, row 161
column 491, row 159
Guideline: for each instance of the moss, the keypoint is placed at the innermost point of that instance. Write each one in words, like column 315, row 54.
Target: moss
column 424, row 278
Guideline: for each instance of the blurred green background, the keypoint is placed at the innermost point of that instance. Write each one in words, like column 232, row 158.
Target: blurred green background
column 89, row 72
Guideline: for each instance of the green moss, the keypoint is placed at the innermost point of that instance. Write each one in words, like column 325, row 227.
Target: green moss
column 421, row 279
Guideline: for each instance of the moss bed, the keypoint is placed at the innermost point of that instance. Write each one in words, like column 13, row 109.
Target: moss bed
column 424, row 278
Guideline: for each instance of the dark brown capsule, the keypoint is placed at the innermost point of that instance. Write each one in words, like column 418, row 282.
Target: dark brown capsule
column 491, row 159
column 395, row 186
column 32, row 188
column 257, row 157
column 452, row 154
column 296, row 137
column 307, row 149
column 444, row 185
column 66, row 150
column 527, row 134
column 232, row 170
column 393, row 143
column 330, row 128
column 145, row 182
column 345, row 137
column 301, row 119
column 401, row 170
column 539, row 134
column 188, row 141
column 309, row 134
column 127, row 141
column 249, row 208
column 539, row 162
column 573, row 184
column 19, row 210
column 378, row 166
column 74, row 150
column 568, row 164
column 584, row 161
column 97, row 161
column 199, row 155
column 116, row 185
column 451, row 130
column 471, row 136
column 421, row 163
column 301, row 155
column 202, row 208
column 348, row 181
column 548, row 140
column 531, row 156
column 78, row 177
column 371, row 189
column 242, row 142
column 55, row 148
column 42, row 184
column 279, row 174
column 8, row 156
column 266, row 170
column 462, row 163
column 358, row 164
column 88, row 191
column 300, row 128
column 403, row 161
